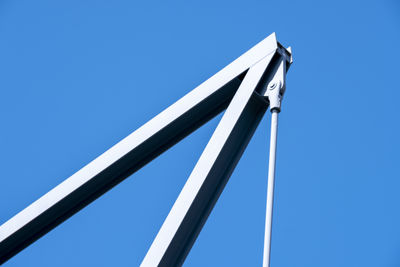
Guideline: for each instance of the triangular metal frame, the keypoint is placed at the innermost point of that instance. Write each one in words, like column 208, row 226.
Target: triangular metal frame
column 240, row 88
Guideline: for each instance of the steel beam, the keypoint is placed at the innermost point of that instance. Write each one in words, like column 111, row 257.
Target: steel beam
column 136, row 150
column 211, row 172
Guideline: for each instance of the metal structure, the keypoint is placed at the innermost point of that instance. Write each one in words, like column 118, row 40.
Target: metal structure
column 245, row 88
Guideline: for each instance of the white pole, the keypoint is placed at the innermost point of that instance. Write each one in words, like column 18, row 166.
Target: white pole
column 270, row 192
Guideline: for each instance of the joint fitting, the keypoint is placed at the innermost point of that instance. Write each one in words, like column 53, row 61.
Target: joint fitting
column 274, row 93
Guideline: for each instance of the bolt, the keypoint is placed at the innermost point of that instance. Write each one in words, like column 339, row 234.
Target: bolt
column 272, row 86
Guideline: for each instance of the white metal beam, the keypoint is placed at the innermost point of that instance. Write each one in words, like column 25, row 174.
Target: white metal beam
column 130, row 154
column 211, row 172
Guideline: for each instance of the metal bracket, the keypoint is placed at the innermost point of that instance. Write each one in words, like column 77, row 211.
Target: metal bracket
column 277, row 86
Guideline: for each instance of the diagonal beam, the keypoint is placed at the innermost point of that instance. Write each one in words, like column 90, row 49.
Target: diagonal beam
column 129, row 155
column 211, row 173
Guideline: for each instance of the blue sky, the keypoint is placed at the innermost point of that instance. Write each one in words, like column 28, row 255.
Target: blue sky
column 78, row 76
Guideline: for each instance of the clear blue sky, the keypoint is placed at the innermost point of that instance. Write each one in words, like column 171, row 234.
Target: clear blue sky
column 78, row 76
